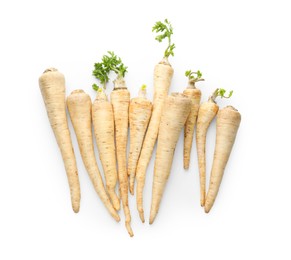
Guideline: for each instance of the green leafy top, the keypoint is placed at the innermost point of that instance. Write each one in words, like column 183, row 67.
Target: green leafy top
column 109, row 63
column 115, row 64
column 220, row 92
column 101, row 73
column 143, row 87
column 166, row 30
column 193, row 77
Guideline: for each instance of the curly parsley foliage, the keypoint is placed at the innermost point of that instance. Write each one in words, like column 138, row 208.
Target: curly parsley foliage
column 220, row 92
column 101, row 73
column 195, row 76
column 166, row 30
column 110, row 62
column 114, row 63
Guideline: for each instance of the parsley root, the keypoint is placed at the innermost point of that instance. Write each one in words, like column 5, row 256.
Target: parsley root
column 140, row 110
column 207, row 111
column 163, row 74
column 103, row 122
column 195, row 95
column 79, row 106
column 227, row 124
column 52, row 86
column 120, row 98
column 175, row 112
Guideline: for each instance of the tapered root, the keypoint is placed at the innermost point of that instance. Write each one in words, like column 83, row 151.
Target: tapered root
column 120, row 99
column 79, row 106
column 140, row 110
column 103, row 121
column 163, row 73
column 140, row 204
column 129, row 229
column 114, row 198
column 195, row 96
column 139, row 196
column 227, row 124
column 52, row 86
column 175, row 112
column 207, row 112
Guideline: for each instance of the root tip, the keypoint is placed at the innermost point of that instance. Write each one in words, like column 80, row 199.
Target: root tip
column 152, row 219
column 186, row 165
column 76, row 208
column 129, row 229
column 206, row 209
column 141, row 216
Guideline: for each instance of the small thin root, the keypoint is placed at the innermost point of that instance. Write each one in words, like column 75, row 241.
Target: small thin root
column 129, row 229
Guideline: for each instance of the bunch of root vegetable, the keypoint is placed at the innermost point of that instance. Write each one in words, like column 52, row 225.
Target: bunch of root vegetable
column 161, row 121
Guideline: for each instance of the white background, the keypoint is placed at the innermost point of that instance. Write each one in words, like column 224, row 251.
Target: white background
column 239, row 45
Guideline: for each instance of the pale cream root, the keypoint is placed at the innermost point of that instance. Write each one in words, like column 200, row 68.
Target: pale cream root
column 103, row 121
column 207, row 111
column 79, row 106
column 195, row 96
column 52, row 86
column 163, row 74
column 120, row 99
column 140, row 111
column 227, row 124
column 175, row 112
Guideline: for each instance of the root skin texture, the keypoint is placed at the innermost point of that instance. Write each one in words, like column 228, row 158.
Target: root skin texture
column 120, row 98
column 207, row 112
column 175, row 112
column 163, row 73
column 103, row 121
column 79, row 106
column 195, row 96
column 140, row 111
column 227, row 124
column 52, row 86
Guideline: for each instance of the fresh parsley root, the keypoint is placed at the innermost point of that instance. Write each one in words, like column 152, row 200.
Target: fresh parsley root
column 207, row 111
column 163, row 73
column 195, row 95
